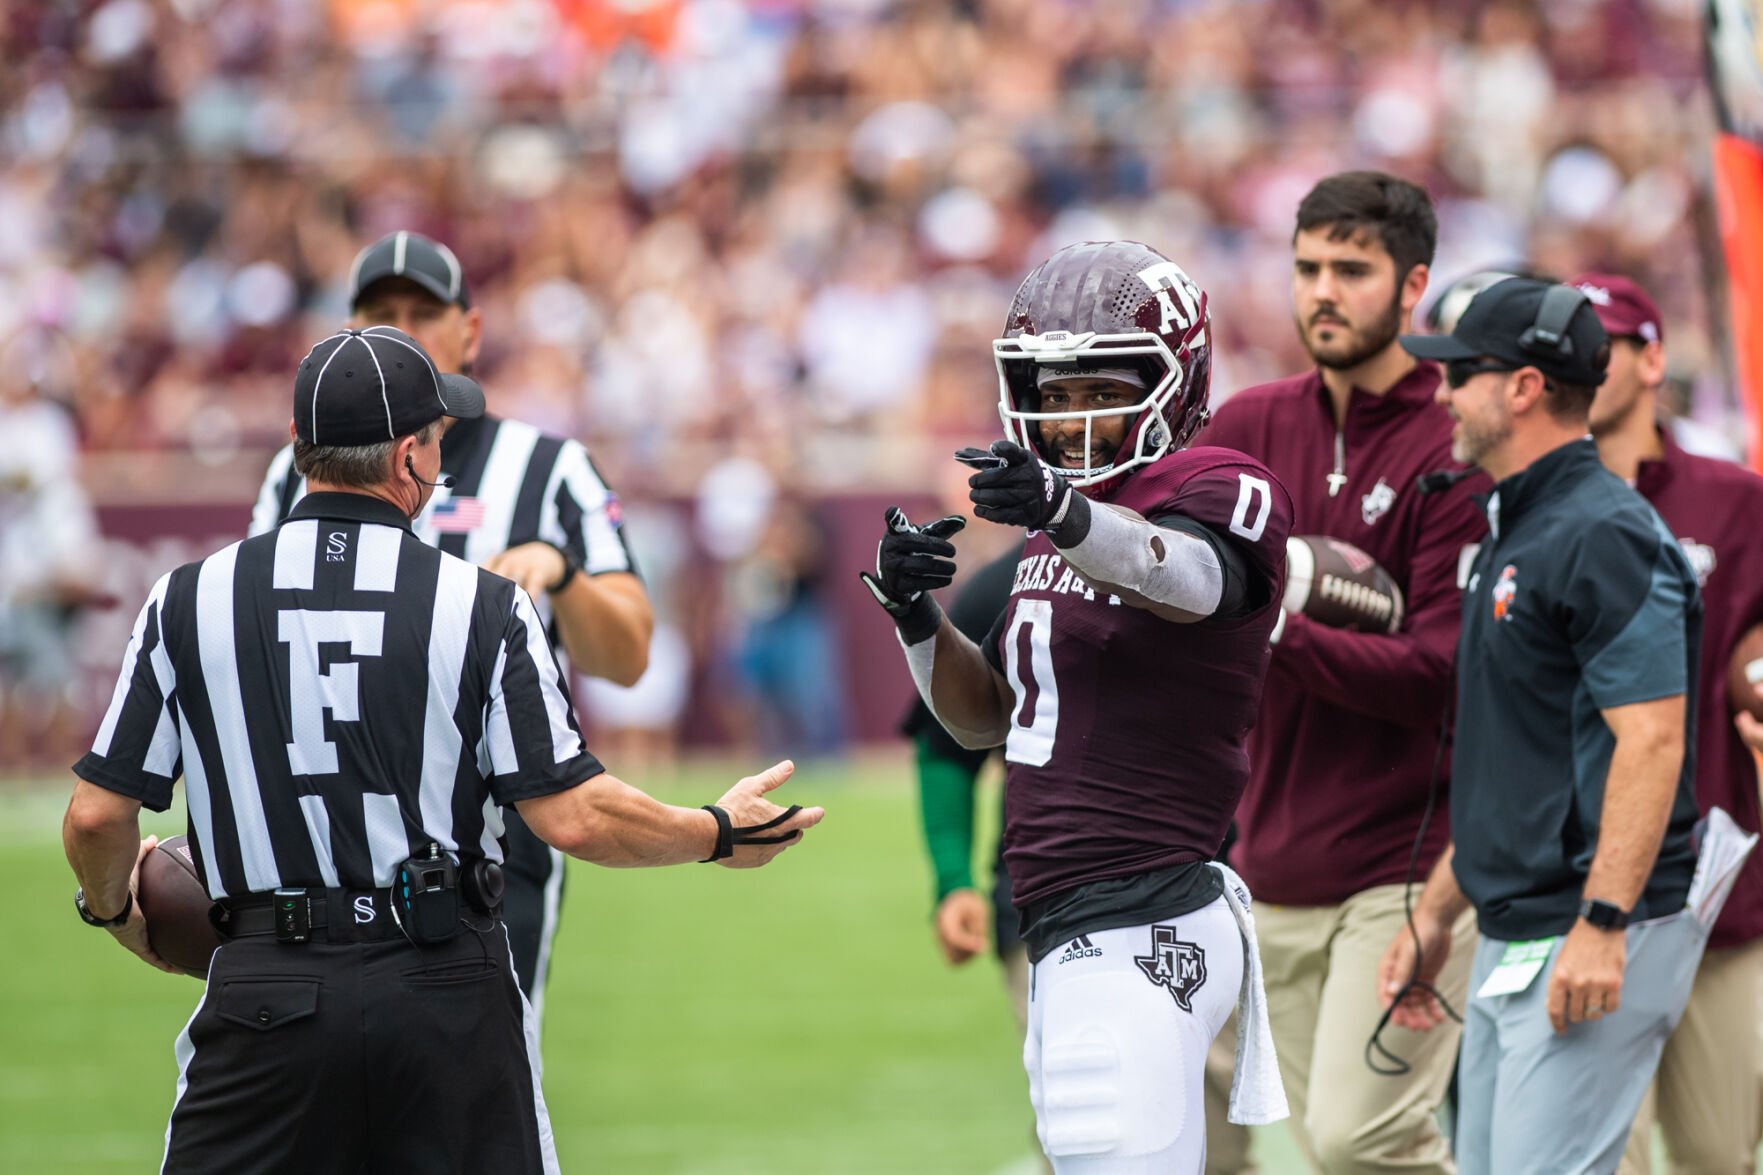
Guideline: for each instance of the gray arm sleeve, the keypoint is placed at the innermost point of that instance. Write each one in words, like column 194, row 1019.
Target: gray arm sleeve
column 1240, row 596
column 1165, row 565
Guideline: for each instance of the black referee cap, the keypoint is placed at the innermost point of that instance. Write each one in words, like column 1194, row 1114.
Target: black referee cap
column 421, row 259
column 360, row 387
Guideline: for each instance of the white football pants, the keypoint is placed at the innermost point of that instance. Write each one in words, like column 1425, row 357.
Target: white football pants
column 1119, row 1023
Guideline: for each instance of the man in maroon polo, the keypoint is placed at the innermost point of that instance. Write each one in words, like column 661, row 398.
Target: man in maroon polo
column 1343, row 754
column 1708, row 1094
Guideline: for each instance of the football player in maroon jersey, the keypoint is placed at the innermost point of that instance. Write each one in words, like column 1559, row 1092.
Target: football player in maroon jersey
column 1122, row 680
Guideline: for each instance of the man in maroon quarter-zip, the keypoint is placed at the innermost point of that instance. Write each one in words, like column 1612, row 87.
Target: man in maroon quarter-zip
column 1345, row 747
column 1708, row 1094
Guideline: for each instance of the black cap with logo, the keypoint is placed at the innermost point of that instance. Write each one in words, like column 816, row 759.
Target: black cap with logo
column 360, row 387
column 414, row 257
column 1526, row 323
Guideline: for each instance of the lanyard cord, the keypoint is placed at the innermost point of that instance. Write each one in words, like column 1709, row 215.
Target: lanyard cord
column 1376, row 1055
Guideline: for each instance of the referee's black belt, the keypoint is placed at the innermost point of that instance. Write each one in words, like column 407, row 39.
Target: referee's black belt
column 316, row 915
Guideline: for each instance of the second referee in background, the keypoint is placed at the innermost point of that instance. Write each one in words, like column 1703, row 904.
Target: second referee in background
column 352, row 712
column 520, row 502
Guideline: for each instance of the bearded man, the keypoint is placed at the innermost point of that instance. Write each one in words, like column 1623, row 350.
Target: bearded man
column 1343, row 759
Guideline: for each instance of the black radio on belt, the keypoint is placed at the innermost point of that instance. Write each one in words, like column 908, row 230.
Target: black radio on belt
column 293, row 915
column 425, row 894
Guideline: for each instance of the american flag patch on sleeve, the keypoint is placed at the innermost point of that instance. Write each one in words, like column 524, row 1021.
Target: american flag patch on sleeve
column 457, row 515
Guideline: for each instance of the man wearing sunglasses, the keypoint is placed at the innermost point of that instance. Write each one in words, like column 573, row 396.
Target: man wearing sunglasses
column 1573, row 800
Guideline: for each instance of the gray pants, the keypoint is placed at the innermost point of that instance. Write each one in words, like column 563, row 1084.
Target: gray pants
column 1531, row 1102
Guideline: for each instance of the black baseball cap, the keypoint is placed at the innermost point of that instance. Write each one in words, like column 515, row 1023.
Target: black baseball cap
column 421, row 259
column 1508, row 321
column 360, row 387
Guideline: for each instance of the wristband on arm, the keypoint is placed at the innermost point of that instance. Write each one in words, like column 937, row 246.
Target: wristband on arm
column 571, row 568
column 728, row 836
column 919, row 620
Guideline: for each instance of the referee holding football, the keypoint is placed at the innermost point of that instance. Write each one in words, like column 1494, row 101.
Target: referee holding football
column 352, row 711
column 518, row 501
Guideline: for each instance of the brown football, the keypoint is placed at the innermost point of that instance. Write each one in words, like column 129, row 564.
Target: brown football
column 175, row 903
column 1745, row 673
column 1337, row 584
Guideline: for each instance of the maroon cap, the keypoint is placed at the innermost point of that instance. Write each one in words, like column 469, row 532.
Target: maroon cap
column 1622, row 306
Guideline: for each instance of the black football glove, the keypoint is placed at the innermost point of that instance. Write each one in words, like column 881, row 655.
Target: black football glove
column 911, row 560
column 1017, row 488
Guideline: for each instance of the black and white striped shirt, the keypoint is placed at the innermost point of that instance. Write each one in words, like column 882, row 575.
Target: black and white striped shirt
column 336, row 695
column 514, row 484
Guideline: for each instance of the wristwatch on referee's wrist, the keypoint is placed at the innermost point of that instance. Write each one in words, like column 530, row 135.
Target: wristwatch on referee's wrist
column 570, row 569
column 91, row 919
column 1603, row 915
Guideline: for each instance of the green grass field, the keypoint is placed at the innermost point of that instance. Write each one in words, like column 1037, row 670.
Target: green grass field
column 791, row 1021
column 795, row 1019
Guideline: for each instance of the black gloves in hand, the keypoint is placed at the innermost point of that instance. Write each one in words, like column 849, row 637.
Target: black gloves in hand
column 1017, row 488
column 911, row 560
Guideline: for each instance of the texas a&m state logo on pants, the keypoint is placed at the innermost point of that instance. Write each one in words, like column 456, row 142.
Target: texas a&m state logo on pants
column 1179, row 966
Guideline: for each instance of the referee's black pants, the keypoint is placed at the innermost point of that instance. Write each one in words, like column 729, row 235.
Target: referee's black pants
column 360, row 1057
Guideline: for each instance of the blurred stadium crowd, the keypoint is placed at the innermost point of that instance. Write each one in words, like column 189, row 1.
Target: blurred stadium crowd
column 767, row 241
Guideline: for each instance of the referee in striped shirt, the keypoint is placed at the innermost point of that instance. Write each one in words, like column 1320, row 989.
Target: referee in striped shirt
column 522, row 503
column 352, row 711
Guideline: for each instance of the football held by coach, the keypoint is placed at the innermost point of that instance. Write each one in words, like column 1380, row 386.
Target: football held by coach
column 351, row 711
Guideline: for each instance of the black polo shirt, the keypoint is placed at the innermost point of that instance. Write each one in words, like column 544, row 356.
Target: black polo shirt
column 1580, row 600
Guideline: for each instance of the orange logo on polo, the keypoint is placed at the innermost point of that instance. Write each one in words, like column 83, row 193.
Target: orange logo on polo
column 1504, row 591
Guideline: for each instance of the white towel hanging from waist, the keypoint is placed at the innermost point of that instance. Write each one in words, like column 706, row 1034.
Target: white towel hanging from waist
column 1257, row 1095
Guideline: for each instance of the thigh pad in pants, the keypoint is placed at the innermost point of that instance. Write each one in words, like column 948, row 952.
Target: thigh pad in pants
column 1116, row 1062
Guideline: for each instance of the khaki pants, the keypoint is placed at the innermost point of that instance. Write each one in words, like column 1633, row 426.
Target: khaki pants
column 1321, row 970
column 1708, row 1094
column 1016, row 976
column 1016, row 972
